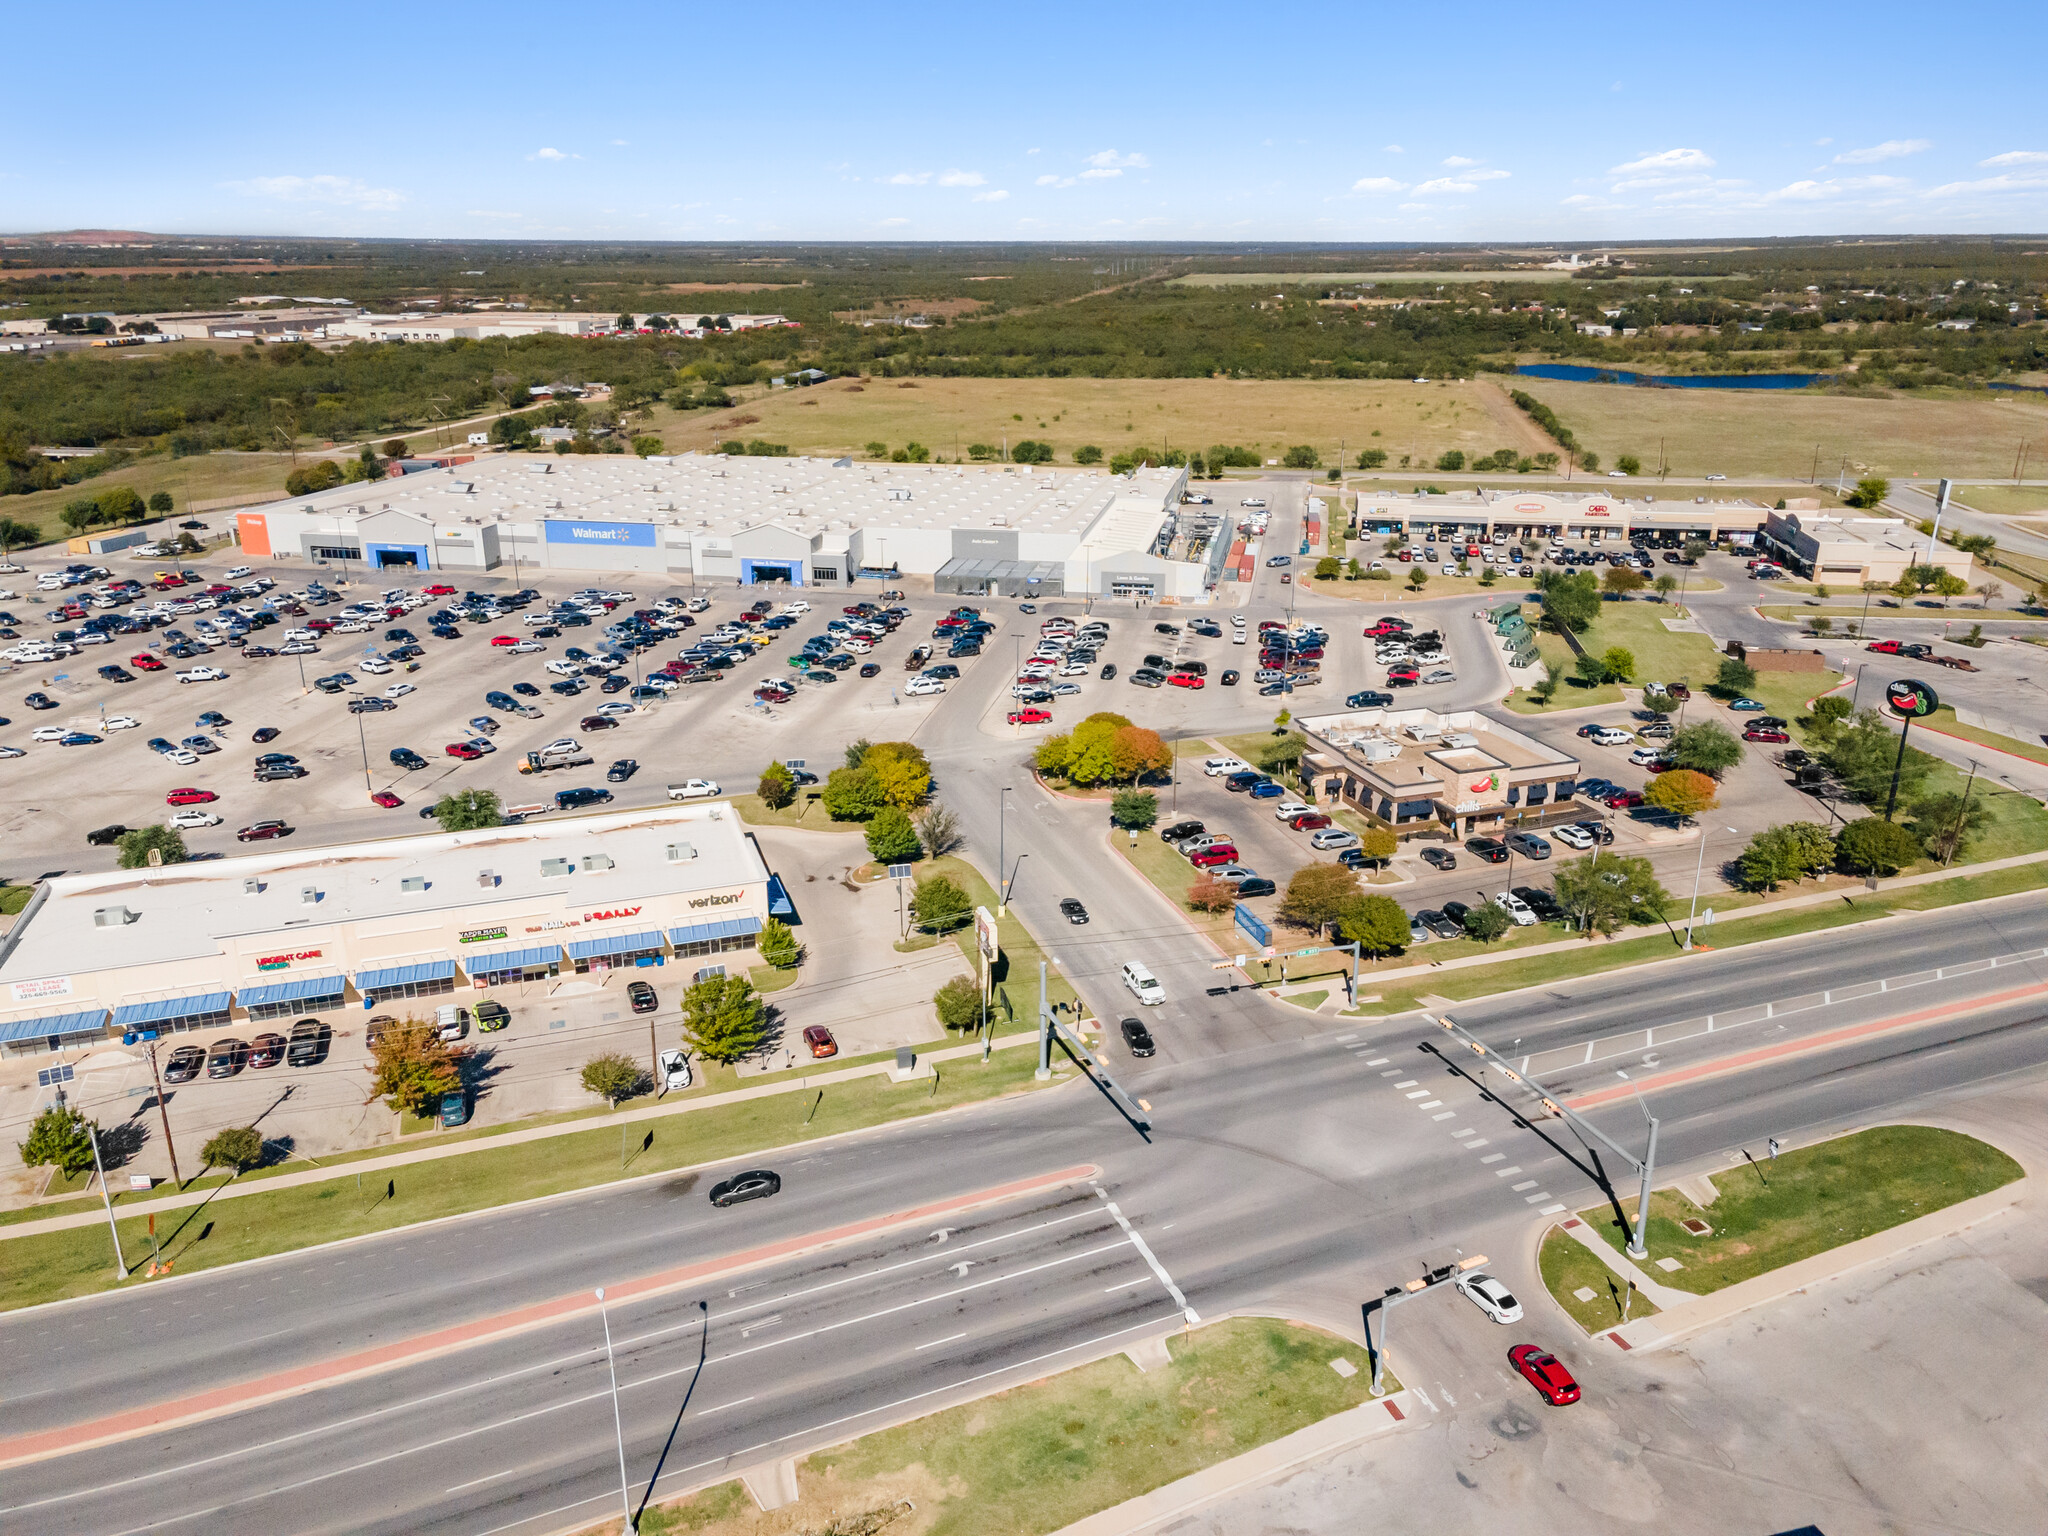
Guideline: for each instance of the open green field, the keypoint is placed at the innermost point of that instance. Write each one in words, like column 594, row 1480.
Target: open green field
column 1039, row 1457
column 1637, row 625
column 203, row 477
column 1810, row 1200
column 1775, row 432
column 1328, row 279
column 77, row 1261
column 2005, row 500
column 1269, row 416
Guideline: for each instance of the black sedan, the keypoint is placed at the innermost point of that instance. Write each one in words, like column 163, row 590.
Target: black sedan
column 1072, row 910
column 1137, row 1038
column 1491, row 849
column 642, row 996
column 754, row 1184
column 1456, row 912
column 184, row 1064
column 1440, row 924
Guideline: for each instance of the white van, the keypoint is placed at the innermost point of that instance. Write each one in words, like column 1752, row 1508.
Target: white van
column 1144, row 985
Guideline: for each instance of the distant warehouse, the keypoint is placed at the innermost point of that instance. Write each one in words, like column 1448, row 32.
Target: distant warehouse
column 1009, row 530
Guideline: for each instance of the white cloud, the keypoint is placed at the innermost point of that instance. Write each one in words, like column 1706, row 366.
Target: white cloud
column 994, row 196
column 1101, row 173
column 490, row 213
column 893, row 223
column 962, row 179
column 1031, row 151
column 1458, row 160
column 1395, row 149
column 618, row 143
column 2021, row 183
column 343, row 191
column 551, row 154
column 1488, row 175
column 1444, row 184
column 1378, row 184
column 1666, row 160
column 1822, row 143
column 1890, row 149
column 910, row 178
column 1803, row 192
column 1048, row 181
column 2018, row 157
column 1109, row 159
column 1413, row 208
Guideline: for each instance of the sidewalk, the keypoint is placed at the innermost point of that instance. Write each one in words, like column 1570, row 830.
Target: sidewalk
column 429, row 1154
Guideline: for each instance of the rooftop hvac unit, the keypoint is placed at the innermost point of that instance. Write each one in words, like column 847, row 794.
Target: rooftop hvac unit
column 252, row 887
column 550, row 868
column 113, row 917
column 309, row 895
column 1461, row 739
column 681, row 853
column 597, row 861
column 486, row 878
column 413, row 883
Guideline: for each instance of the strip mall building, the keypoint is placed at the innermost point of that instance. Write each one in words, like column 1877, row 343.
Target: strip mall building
column 1542, row 515
column 285, row 934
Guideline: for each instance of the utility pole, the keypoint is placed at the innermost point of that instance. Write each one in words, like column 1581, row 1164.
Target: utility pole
column 1044, row 1031
column 164, row 1110
column 120, row 1263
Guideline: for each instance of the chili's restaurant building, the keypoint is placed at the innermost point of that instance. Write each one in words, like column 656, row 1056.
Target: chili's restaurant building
column 286, row 934
column 1419, row 771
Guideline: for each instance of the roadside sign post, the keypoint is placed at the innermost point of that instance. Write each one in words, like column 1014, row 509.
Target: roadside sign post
column 1910, row 700
column 900, row 873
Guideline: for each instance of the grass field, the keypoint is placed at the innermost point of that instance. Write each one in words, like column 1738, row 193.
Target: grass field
column 1039, row 1457
column 1330, row 279
column 1810, row 1200
column 1269, row 416
column 1637, row 625
column 1775, row 432
column 1568, row 1268
column 2006, row 500
column 203, row 477
column 1944, row 719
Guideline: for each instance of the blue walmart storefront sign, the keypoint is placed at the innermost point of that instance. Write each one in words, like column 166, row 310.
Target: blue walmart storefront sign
column 631, row 535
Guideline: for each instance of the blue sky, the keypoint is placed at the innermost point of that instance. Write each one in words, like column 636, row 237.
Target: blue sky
column 1060, row 122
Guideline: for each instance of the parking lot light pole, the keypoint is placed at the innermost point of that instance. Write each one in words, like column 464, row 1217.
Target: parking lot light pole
column 1002, row 842
column 1699, row 865
column 618, row 1426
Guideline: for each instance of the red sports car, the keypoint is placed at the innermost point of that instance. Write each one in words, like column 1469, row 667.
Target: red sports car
column 504, row 639
column 190, row 797
column 463, row 750
column 1622, row 800
column 1764, row 733
column 1546, row 1373
column 1309, row 821
column 387, row 799
column 1029, row 716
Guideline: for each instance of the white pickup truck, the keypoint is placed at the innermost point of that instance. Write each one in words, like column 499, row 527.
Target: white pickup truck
column 694, row 789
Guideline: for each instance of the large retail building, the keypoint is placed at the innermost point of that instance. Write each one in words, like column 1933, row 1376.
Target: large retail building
column 1008, row 530
column 1536, row 515
column 285, row 934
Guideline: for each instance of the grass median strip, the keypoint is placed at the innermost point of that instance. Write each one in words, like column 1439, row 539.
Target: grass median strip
column 1039, row 1457
column 1569, row 1270
column 1805, row 1202
column 75, row 1262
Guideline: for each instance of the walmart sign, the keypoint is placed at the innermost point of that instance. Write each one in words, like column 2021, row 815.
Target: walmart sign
column 632, row 535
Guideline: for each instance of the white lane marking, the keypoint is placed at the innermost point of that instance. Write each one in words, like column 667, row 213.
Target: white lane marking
column 1508, row 1172
column 1477, row 1141
column 1159, row 1269
column 1532, row 1199
column 1425, row 1399
column 935, row 1343
column 1377, row 1061
column 1463, row 1131
column 1420, row 1093
column 1449, row 1114
column 1346, row 1039
column 477, row 1482
column 1390, row 1072
column 1550, row 1210
column 1432, row 1104
column 1493, row 1157
column 1525, row 1184
column 1409, row 1084
column 736, row 1402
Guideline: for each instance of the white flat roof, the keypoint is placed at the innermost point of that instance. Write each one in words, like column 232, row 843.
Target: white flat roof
column 719, row 495
column 186, row 911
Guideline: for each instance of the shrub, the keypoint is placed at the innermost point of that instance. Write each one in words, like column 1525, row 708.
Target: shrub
column 1376, row 924
column 1789, row 852
column 1134, row 808
column 239, row 1147
column 958, row 1003
column 613, row 1076
column 1209, row 894
column 777, row 787
column 1875, row 846
column 891, row 837
column 1316, row 895
column 1487, row 922
column 778, row 945
column 939, row 904
column 723, row 1019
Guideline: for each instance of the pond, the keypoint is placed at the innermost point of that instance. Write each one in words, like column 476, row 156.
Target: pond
column 1579, row 374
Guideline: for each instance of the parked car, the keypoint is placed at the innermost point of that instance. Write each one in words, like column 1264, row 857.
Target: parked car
column 1528, row 845
column 308, row 1044
column 492, row 1015
column 184, row 1064
column 1439, row 857
column 1439, row 924
column 262, row 831
column 1491, row 849
column 226, row 1057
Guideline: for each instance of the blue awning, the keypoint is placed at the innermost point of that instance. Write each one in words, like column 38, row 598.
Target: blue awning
column 779, row 904
column 404, row 975
column 130, row 1014
column 496, row 962
column 722, row 928
column 84, row 1022
column 298, row 989
column 617, row 944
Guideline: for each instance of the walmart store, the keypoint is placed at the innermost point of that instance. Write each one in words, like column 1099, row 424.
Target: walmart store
column 279, row 936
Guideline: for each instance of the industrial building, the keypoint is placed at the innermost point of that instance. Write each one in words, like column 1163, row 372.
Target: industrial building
column 288, row 933
column 1418, row 771
column 974, row 529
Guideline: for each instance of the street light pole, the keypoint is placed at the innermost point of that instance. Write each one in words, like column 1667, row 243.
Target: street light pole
column 618, row 1426
column 1002, row 845
column 120, row 1263
column 1012, row 883
column 1699, row 865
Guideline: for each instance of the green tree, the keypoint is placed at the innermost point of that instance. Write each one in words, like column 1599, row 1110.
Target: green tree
column 59, row 1137
column 723, row 1019
column 959, row 1003
column 1618, row 663
column 857, row 751
column 1487, row 922
column 647, row 444
column 1591, row 671
column 1629, row 464
column 1604, row 892
column 239, row 1147
column 1134, row 808
column 876, row 450
column 1945, row 822
column 1571, row 603
column 1088, row 453
column 1735, row 677
column 1372, row 458
column 1544, row 689
column 1418, row 578
column 1683, row 792
column 1622, row 581
column 1706, row 746
column 851, row 794
column 135, row 846
column 1451, row 460
column 1862, row 757
column 161, row 504
column 1302, row 456
column 613, row 1076
column 1376, row 924
column 80, row 514
column 1829, row 716
column 1316, row 895
column 777, row 787
column 891, row 837
column 1949, row 585
column 411, row 1067
column 1665, row 585
column 902, row 773
column 1659, row 703
column 1786, row 854
column 1875, row 846
column 121, row 504
column 1055, row 755
column 777, row 945
column 1869, row 492
column 466, row 810
column 1329, row 568
column 15, row 534
column 939, row 904
column 1378, row 844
